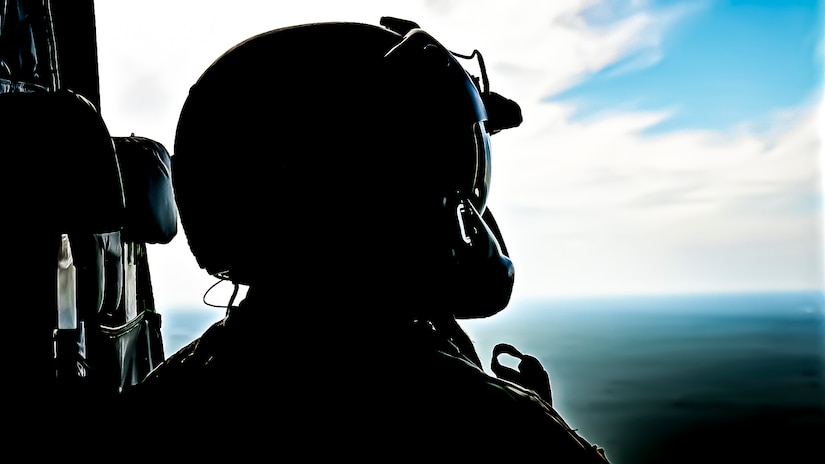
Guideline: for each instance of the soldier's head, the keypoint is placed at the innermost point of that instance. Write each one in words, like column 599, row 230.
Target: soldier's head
column 351, row 157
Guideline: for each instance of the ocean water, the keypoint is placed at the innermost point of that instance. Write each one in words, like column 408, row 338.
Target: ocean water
column 663, row 379
column 680, row 379
column 181, row 326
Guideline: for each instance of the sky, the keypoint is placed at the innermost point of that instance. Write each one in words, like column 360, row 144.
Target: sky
column 667, row 146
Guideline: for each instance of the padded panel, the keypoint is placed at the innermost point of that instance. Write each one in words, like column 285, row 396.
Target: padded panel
column 151, row 212
column 61, row 171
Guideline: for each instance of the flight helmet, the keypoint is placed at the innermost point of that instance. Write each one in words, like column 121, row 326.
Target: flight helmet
column 350, row 156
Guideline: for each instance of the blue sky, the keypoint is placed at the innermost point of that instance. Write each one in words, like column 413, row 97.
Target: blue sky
column 724, row 63
column 667, row 146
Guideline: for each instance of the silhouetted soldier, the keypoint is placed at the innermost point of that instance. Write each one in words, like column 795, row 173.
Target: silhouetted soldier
column 340, row 171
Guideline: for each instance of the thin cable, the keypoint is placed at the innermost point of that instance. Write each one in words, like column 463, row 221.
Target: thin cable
column 230, row 305
column 481, row 66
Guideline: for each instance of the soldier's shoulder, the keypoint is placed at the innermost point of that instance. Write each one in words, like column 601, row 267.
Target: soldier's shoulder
column 510, row 412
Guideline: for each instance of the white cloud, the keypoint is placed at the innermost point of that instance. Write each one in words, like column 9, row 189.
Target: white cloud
column 596, row 207
column 590, row 206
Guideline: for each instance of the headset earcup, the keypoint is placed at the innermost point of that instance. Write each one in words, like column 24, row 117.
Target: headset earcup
column 483, row 275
